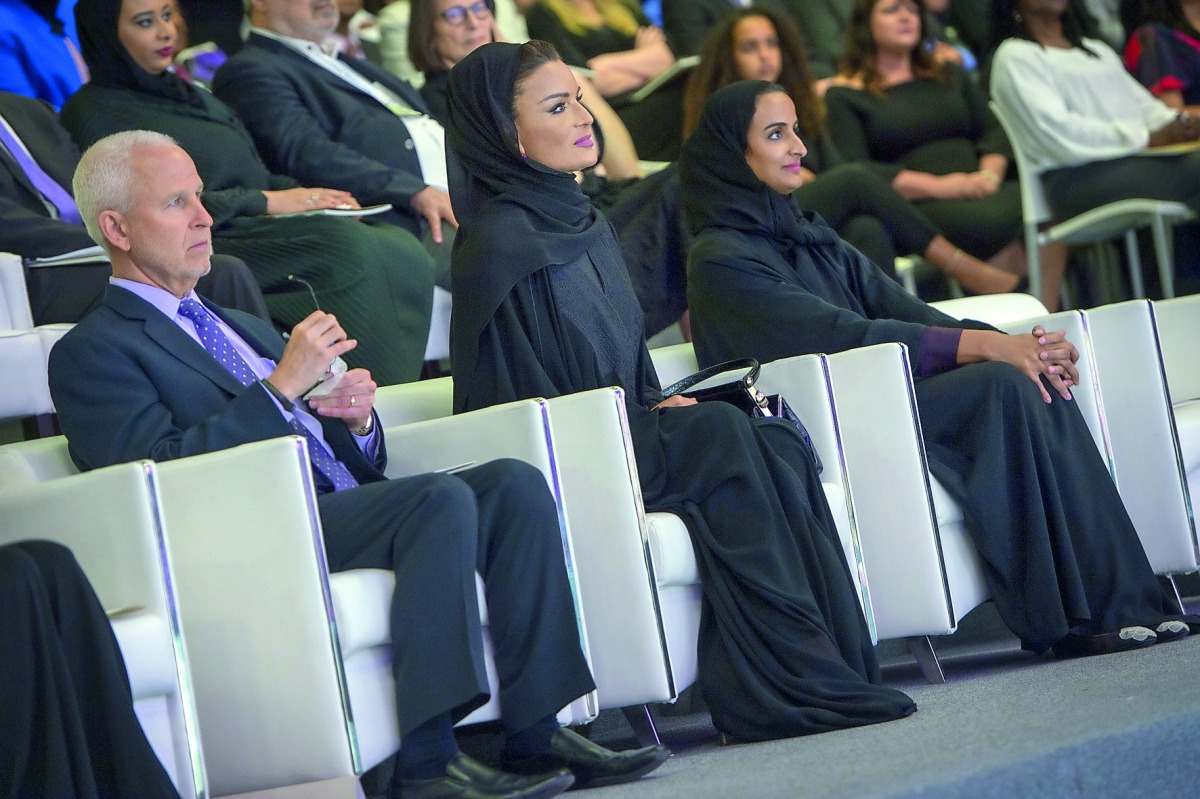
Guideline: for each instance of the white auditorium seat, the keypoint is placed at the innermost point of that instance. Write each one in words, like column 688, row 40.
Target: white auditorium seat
column 243, row 532
column 112, row 521
column 23, row 350
column 1152, row 442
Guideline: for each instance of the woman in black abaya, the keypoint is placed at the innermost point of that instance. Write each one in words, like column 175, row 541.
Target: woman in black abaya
column 544, row 308
column 68, row 727
column 376, row 278
column 1060, row 554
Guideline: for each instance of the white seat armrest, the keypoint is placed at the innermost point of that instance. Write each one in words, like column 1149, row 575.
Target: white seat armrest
column 614, row 571
column 1178, row 322
column 804, row 381
column 887, row 471
column 1143, row 433
column 244, row 538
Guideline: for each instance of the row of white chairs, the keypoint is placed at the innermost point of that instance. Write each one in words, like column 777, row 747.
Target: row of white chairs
column 290, row 678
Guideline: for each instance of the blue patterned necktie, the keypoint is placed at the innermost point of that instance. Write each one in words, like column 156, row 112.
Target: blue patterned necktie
column 219, row 346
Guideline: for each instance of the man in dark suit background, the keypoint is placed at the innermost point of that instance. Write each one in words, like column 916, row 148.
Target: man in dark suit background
column 328, row 118
column 32, row 227
column 156, row 373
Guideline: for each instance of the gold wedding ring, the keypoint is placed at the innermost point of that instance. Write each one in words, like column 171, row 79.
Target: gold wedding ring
column 351, row 400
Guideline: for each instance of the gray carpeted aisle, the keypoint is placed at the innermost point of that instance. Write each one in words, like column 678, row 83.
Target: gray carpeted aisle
column 1006, row 724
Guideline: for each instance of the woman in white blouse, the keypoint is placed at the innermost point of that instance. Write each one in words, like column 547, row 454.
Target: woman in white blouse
column 1088, row 125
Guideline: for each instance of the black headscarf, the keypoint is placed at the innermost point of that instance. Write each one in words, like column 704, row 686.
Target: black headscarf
column 492, row 171
column 110, row 63
column 517, row 216
column 719, row 188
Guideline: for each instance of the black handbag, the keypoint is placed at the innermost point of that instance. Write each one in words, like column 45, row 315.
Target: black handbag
column 742, row 394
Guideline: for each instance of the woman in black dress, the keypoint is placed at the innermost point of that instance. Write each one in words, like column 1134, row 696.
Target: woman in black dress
column 645, row 210
column 928, row 125
column 549, row 311
column 856, row 199
column 1061, row 556
column 377, row 279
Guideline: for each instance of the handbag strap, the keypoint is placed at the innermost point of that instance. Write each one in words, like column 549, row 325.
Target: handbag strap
column 750, row 365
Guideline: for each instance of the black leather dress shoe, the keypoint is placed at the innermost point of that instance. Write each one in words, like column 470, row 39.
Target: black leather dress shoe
column 469, row 779
column 592, row 764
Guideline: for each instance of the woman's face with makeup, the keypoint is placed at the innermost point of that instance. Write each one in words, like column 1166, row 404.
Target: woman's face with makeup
column 553, row 126
column 773, row 146
column 147, row 31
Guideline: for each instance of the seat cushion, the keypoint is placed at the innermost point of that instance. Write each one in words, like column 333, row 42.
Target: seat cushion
column 149, row 653
column 362, row 607
column 35, row 461
column 23, row 364
column 1187, row 425
column 946, row 509
column 671, row 550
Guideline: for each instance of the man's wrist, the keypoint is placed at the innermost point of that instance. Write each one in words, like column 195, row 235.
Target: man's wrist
column 279, row 396
column 366, row 428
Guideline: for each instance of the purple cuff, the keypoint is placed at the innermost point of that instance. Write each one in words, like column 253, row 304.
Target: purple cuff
column 939, row 351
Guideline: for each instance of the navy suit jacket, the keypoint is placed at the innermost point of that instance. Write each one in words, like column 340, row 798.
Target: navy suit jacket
column 312, row 125
column 26, row 227
column 129, row 384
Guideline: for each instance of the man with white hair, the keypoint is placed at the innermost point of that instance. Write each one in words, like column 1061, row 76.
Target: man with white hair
column 156, row 372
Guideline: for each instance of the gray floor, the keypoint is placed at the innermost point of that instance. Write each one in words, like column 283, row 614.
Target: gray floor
column 1006, row 724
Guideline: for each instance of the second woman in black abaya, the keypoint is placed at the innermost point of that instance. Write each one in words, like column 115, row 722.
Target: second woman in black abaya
column 544, row 308
column 1061, row 557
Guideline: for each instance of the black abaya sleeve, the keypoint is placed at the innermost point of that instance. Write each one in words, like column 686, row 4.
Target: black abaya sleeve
column 746, row 300
column 527, row 350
